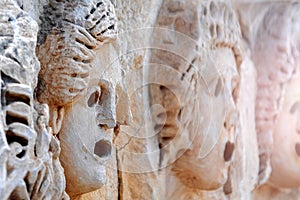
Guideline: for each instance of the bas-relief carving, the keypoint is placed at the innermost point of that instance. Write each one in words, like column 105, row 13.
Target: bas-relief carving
column 277, row 112
column 80, row 91
column 30, row 168
column 271, row 30
column 84, row 98
column 68, row 45
column 211, row 70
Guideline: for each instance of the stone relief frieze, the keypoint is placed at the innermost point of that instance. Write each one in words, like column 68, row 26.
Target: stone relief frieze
column 277, row 64
column 211, row 70
column 66, row 91
column 82, row 104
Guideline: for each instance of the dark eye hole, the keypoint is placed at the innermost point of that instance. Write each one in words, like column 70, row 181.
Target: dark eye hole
column 104, row 95
column 294, row 107
column 93, row 99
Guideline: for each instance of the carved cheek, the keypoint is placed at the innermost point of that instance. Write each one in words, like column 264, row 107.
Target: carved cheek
column 80, row 122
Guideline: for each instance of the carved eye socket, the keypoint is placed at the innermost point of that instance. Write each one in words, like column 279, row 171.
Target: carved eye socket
column 104, row 96
column 93, row 99
column 294, row 107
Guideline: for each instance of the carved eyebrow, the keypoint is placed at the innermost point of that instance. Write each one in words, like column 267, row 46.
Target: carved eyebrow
column 294, row 107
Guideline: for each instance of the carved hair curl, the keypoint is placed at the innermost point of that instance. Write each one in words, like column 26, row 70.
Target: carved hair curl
column 70, row 33
column 276, row 61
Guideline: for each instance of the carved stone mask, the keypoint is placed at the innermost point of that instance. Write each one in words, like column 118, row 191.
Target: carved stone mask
column 76, row 81
column 212, row 127
column 277, row 116
column 87, row 129
column 86, row 137
column 203, row 123
column 287, row 137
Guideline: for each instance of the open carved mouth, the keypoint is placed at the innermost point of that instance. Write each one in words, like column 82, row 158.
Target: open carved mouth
column 103, row 149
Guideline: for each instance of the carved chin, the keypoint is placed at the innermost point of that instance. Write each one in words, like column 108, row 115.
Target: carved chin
column 84, row 170
column 199, row 174
column 289, row 169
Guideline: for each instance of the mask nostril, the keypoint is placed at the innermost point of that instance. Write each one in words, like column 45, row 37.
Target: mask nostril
column 103, row 149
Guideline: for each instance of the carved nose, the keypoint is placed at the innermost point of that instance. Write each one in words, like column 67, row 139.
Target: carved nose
column 106, row 107
column 108, row 120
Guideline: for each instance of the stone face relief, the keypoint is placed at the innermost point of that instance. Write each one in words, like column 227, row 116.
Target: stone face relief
column 30, row 168
column 82, row 104
column 207, row 117
column 63, row 99
column 289, row 148
column 277, row 113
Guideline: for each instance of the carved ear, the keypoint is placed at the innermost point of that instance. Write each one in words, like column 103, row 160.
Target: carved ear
column 56, row 118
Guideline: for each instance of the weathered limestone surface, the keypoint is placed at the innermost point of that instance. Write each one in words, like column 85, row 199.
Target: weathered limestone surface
column 207, row 72
column 30, row 167
column 273, row 39
column 160, row 99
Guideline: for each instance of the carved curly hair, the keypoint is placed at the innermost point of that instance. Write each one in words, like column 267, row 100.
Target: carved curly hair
column 70, row 33
column 276, row 64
